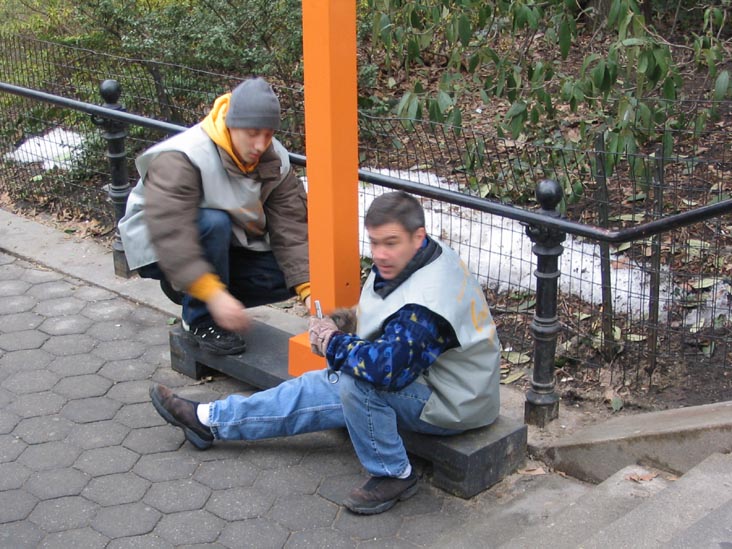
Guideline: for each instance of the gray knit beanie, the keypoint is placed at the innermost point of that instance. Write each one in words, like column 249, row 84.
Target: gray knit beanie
column 253, row 104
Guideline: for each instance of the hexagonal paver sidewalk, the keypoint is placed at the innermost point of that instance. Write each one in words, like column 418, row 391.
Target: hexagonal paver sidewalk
column 85, row 461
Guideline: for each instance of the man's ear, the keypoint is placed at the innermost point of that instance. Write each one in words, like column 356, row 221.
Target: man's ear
column 419, row 235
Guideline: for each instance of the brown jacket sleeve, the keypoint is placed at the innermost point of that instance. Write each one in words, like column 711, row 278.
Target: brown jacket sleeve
column 172, row 189
column 286, row 209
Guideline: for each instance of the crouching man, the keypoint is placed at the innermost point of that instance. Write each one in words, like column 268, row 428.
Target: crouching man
column 424, row 356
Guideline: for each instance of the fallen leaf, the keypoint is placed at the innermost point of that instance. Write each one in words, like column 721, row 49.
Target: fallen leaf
column 511, row 378
column 534, row 471
column 641, row 478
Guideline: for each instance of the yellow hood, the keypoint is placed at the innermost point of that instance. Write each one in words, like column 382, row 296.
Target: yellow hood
column 215, row 127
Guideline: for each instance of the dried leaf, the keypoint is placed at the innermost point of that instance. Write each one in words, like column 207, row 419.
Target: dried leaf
column 635, row 477
column 532, row 471
column 514, row 357
column 704, row 283
column 512, row 378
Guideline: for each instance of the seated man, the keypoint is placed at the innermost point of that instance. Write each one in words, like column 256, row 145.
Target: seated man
column 219, row 214
column 424, row 357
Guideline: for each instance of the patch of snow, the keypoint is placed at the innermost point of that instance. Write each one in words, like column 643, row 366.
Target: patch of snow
column 55, row 149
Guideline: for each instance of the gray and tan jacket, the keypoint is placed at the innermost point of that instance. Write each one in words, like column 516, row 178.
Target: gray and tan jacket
column 465, row 379
column 188, row 171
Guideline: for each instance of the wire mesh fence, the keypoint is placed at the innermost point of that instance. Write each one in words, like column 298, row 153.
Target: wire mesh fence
column 655, row 305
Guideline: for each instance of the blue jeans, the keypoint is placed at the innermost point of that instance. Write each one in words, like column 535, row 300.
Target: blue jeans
column 312, row 402
column 254, row 278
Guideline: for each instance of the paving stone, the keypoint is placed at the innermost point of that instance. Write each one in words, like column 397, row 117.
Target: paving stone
column 76, row 365
column 151, row 440
column 149, row 317
column 113, row 309
column 93, row 293
column 6, row 397
column 21, row 321
column 424, row 529
column 66, row 325
column 52, row 290
column 38, row 273
column 17, row 303
column 177, row 495
column 49, row 455
column 336, row 488
column 8, row 422
column 90, row 409
column 43, row 429
column 112, row 330
column 10, row 448
column 303, row 512
column 20, row 535
column 288, row 480
column 13, row 475
column 12, row 271
column 18, row 341
column 63, row 513
column 239, row 503
column 318, row 538
column 189, row 527
column 57, row 483
column 65, row 345
column 149, row 541
column 157, row 336
column 358, row 527
column 13, row 287
column 132, row 519
column 227, row 473
column 326, row 462
column 273, row 453
column 15, row 505
column 389, row 543
column 127, row 370
column 83, row 386
column 116, row 489
column 98, row 434
column 37, row 404
column 31, row 381
column 82, row 537
column 107, row 461
column 427, row 500
column 140, row 415
column 158, row 355
column 130, row 392
column 62, row 306
column 166, row 466
column 257, row 533
column 34, row 359
column 118, row 350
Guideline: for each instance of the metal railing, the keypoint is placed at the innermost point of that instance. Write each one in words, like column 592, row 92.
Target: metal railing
column 546, row 228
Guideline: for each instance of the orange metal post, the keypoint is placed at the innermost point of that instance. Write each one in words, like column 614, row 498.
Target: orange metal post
column 331, row 135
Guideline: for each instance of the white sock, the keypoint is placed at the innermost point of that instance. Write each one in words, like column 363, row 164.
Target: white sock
column 202, row 413
column 407, row 471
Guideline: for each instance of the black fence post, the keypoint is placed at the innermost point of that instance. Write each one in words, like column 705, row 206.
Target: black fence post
column 542, row 402
column 115, row 133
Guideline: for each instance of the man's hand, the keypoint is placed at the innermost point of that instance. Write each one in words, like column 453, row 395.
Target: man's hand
column 228, row 312
column 321, row 330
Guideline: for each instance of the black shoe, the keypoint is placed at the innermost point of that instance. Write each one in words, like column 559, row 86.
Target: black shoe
column 172, row 294
column 216, row 340
column 181, row 412
column 379, row 494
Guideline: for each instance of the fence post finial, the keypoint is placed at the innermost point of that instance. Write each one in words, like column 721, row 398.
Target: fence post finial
column 115, row 133
column 542, row 402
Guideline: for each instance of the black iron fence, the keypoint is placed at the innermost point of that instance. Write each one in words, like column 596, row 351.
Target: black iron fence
column 643, row 276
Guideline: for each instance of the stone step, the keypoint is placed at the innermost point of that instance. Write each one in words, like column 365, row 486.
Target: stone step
column 604, row 504
column 653, row 524
column 463, row 465
column 712, row 531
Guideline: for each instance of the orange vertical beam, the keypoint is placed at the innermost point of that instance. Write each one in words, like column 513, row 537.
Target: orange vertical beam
column 331, row 147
